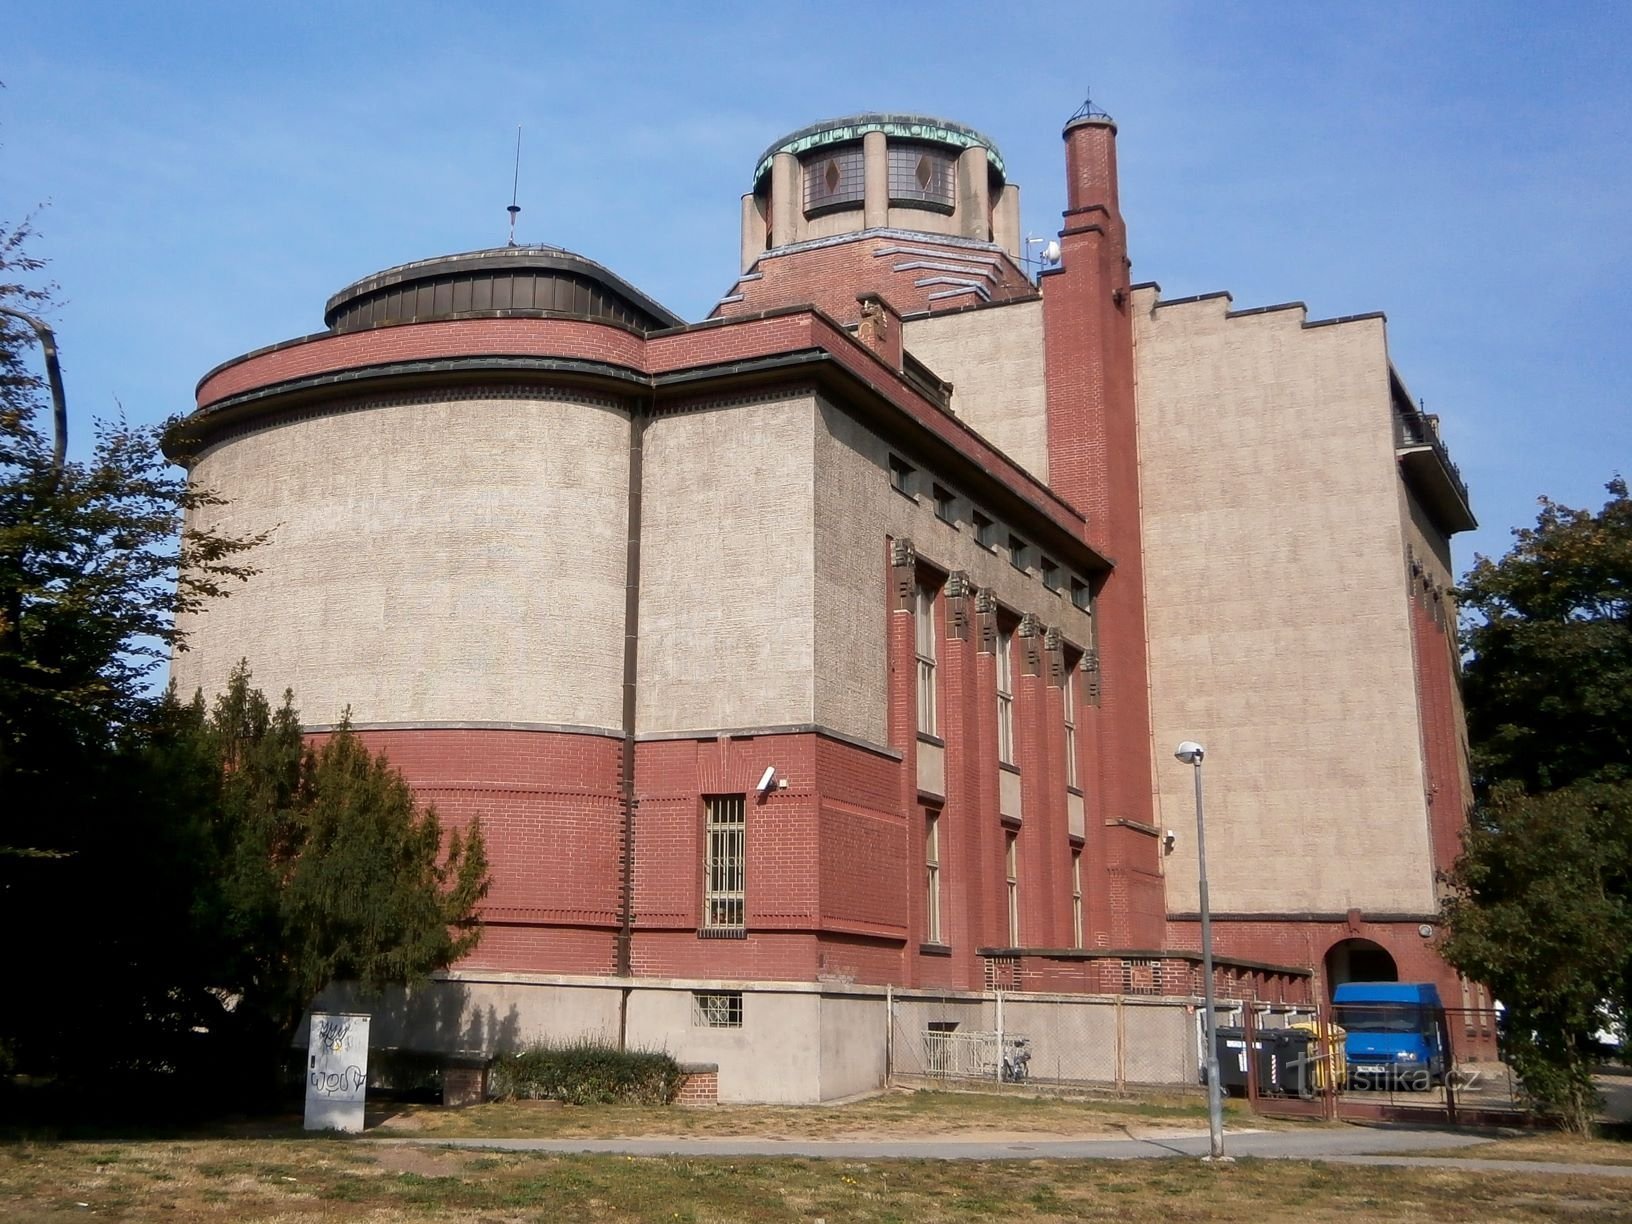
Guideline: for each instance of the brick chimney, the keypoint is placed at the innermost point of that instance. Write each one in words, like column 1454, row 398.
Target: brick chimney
column 1093, row 463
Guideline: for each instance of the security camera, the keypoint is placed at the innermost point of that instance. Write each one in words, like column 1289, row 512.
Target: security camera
column 1169, row 840
column 767, row 780
column 1190, row 752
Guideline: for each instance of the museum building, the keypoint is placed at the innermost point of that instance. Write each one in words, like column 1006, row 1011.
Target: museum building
column 839, row 642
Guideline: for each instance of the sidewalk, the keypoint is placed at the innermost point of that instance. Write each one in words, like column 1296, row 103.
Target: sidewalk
column 1399, row 1146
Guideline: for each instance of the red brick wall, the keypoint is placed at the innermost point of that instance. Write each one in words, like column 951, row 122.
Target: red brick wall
column 830, row 277
column 1093, row 462
column 1433, row 639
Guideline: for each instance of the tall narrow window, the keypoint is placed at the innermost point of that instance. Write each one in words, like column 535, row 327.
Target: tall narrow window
column 1068, row 696
column 932, row 877
column 945, row 507
column 923, row 617
column 723, row 870
column 1005, row 698
column 1011, row 867
column 1076, row 899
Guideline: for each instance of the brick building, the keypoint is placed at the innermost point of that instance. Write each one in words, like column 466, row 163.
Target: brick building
column 840, row 641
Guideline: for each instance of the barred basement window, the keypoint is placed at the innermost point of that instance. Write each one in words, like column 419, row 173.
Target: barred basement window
column 716, row 1009
column 920, row 174
column 923, row 624
column 725, row 849
column 1005, row 697
column 833, row 179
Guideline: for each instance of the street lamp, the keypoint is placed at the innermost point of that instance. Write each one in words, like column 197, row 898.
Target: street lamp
column 1191, row 754
column 53, row 372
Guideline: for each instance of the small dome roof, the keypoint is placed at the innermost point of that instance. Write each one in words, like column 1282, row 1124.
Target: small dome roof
column 523, row 278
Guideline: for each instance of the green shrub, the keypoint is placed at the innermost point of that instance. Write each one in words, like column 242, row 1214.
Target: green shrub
column 586, row 1072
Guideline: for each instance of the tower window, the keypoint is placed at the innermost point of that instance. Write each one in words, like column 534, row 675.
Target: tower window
column 834, row 178
column 921, row 174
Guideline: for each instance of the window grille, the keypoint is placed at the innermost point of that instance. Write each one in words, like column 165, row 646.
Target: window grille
column 716, row 1009
column 834, row 178
column 1005, row 698
column 726, row 837
column 920, row 174
column 932, row 877
column 924, row 631
column 1011, row 867
column 1068, row 696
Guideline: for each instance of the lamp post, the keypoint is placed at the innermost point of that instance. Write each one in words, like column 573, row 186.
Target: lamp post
column 1191, row 754
column 53, row 372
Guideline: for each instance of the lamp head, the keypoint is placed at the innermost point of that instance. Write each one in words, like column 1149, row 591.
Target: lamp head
column 1190, row 752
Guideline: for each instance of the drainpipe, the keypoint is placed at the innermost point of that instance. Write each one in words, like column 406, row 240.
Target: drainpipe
column 639, row 413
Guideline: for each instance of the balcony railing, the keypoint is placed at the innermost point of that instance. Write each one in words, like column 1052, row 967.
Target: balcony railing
column 1416, row 431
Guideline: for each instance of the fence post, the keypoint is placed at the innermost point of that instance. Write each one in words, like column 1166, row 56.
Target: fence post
column 1249, row 1031
column 1121, row 1046
column 998, row 1070
column 889, row 1034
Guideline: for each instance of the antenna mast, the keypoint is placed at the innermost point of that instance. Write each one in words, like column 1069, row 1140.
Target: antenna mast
column 515, row 182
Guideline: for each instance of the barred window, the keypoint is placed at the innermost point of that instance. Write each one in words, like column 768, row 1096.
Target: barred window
column 716, row 1009
column 1005, row 698
column 726, row 845
column 833, row 179
column 920, row 174
column 923, row 614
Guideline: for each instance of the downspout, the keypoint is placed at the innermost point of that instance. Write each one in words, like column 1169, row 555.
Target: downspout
column 639, row 413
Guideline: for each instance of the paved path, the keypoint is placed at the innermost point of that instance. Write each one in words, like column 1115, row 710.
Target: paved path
column 1392, row 1146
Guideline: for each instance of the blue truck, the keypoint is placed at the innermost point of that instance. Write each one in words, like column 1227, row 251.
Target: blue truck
column 1396, row 1033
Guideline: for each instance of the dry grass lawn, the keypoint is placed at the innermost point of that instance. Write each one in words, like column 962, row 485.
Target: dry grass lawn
column 289, row 1181
column 900, row 1114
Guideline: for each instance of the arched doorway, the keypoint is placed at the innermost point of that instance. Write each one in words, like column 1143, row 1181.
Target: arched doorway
column 1358, row 960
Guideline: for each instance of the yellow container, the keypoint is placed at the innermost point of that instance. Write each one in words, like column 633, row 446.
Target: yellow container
column 1331, row 1060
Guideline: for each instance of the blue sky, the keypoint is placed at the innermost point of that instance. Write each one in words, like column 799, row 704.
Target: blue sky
column 215, row 171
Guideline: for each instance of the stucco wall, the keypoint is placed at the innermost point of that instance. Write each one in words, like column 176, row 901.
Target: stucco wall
column 726, row 570
column 442, row 561
column 856, row 510
column 1279, row 638
column 993, row 357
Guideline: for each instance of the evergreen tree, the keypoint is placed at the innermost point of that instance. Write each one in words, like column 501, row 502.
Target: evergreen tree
column 328, row 868
column 95, row 563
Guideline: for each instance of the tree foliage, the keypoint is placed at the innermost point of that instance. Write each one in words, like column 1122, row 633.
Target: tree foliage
column 1542, row 910
column 1549, row 683
column 327, row 867
column 172, row 876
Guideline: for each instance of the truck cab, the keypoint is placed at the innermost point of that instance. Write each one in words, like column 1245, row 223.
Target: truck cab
column 1396, row 1033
